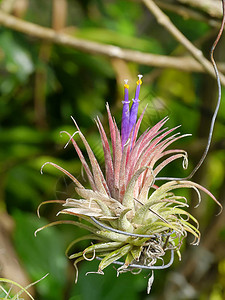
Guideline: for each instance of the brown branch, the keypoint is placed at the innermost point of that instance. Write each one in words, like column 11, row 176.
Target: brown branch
column 211, row 7
column 59, row 14
column 7, row 5
column 187, row 12
column 185, row 63
column 163, row 19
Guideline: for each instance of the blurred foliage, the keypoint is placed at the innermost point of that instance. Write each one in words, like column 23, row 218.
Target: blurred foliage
column 42, row 85
column 34, row 254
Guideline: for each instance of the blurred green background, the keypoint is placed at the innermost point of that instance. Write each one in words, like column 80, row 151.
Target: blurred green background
column 43, row 84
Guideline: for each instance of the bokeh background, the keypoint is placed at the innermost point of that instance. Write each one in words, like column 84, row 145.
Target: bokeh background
column 43, row 83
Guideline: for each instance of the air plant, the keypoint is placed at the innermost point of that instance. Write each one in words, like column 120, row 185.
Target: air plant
column 133, row 222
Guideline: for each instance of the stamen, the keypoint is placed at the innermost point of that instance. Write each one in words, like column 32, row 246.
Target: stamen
column 126, row 84
column 139, row 83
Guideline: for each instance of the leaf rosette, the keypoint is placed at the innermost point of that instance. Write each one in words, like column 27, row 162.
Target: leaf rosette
column 133, row 222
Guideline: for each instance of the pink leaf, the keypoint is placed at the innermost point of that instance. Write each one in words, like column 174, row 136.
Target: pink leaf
column 108, row 159
column 83, row 161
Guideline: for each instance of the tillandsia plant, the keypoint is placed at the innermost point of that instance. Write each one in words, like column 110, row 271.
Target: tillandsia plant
column 130, row 216
column 133, row 222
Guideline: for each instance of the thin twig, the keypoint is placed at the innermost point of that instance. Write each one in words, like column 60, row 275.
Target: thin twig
column 211, row 7
column 139, row 266
column 163, row 19
column 202, row 159
column 187, row 64
column 120, row 231
column 187, row 13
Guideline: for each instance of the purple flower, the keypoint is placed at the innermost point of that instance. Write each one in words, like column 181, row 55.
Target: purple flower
column 129, row 118
column 125, row 115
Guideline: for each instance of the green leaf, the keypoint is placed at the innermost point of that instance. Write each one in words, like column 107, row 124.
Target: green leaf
column 113, row 256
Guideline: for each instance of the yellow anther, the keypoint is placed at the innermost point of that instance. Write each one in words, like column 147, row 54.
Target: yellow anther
column 126, row 86
column 139, row 82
